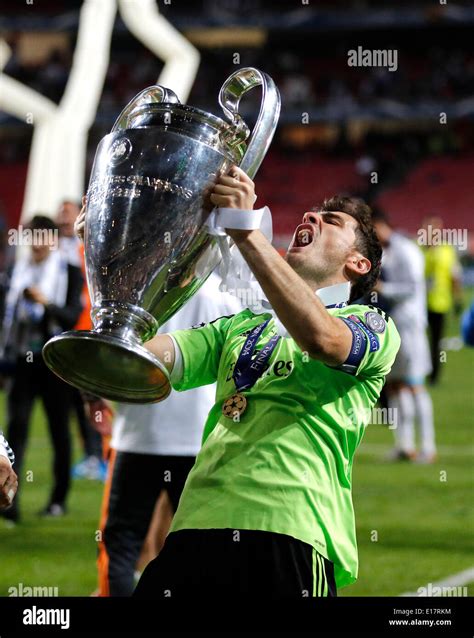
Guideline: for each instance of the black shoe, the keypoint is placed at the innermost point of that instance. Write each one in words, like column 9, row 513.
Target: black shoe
column 53, row 510
column 12, row 514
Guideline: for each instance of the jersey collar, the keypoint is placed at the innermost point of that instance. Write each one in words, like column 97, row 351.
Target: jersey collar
column 335, row 296
column 331, row 296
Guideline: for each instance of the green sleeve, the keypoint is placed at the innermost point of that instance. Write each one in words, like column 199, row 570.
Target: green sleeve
column 382, row 340
column 201, row 348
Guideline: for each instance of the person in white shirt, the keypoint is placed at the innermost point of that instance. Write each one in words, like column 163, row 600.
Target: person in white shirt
column 402, row 285
column 69, row 243
column 153, row 449
column 70, row 247
column 8, row 477
column 44, row 299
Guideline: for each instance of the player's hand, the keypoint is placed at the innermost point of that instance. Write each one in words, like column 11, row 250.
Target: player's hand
column 33, row 294
column 101, row 415
column 8, row 483
column 235, row 190
column 80, row 223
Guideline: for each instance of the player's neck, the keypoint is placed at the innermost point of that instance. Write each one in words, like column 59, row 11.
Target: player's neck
column 325, row 282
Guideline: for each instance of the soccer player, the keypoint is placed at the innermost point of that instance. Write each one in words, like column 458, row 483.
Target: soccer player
column 267, row 508
column 444, row 283
column 404, row 287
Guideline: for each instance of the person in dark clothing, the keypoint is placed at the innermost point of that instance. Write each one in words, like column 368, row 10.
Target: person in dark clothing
column 91, row 466
column 44, row 299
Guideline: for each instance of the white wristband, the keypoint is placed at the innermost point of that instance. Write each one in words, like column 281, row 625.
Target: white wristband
column 235, row 218
column 177, row 372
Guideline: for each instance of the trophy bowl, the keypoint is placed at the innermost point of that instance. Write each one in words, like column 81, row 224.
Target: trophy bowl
column 147, row 249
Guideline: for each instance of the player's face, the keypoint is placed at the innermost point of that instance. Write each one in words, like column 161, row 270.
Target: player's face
column 66, row 217
column 40, row 250
column 322, row 245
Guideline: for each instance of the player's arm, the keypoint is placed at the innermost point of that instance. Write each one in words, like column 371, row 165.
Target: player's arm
column 319, row 334
column 192, row 356
column 80, row 222
column 162, row 346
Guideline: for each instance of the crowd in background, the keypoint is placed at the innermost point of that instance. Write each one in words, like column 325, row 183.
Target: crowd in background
column 319, row 78
column 312, row 77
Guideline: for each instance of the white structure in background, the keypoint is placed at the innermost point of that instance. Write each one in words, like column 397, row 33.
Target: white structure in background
column 58, row 153
column 157, row 34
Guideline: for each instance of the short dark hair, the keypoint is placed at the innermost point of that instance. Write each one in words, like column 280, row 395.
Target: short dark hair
column 379, row 215
column 366, row 239
column 41, row 222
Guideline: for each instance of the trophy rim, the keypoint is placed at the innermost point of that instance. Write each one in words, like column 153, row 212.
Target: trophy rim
column 208, row 118
column 235, row 150
column 59, row 357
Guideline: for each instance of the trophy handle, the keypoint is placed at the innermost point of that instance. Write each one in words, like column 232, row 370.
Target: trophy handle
column 151, row 94
column 232, row 90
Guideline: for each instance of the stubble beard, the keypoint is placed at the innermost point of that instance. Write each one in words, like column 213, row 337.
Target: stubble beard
column 316, row 272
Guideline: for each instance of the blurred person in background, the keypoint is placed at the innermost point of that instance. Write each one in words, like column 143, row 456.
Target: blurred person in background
column 4, row 270
column 7, row 256
column 467, row 326
column 154, row 447
column 91, row 466
column 8, row 477
column 43, row 300
column 69, row 244
column 403, row 286
column 443, row 280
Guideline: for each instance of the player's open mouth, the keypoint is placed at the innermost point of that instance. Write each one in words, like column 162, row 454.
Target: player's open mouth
column 303, row 237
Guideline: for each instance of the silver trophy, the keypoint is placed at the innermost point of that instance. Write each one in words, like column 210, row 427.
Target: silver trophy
column 146, row 246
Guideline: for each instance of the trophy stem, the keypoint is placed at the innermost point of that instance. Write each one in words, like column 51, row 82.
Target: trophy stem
column 110, row 360
column 124, row 321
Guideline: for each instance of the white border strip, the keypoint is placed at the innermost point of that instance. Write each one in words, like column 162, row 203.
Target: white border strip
column 444, row 450
column 455, row 580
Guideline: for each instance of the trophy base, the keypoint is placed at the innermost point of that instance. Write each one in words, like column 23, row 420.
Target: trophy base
column 107, row 366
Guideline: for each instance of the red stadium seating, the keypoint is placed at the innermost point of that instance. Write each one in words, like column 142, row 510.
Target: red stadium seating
column 440, row 186
column 293, row 184
column 12, row 186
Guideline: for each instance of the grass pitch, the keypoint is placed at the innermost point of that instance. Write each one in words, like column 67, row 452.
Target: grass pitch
column 414, row 523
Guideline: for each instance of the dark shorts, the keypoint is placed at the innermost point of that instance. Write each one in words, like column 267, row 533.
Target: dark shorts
column 226, row 562
column 134, row 485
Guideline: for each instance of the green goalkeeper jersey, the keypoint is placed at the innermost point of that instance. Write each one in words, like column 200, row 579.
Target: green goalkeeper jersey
column 285, row 464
